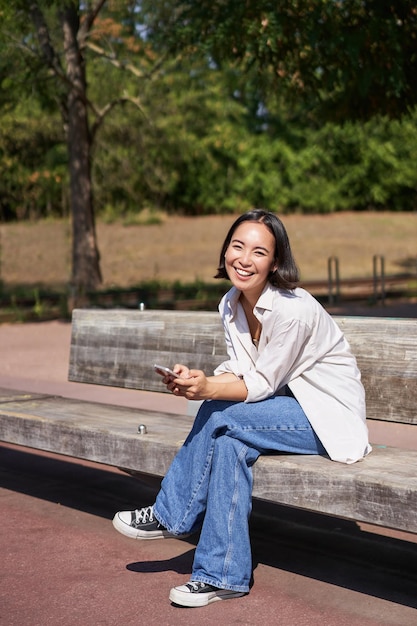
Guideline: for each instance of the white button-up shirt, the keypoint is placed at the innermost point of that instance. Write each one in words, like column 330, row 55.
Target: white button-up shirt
column 300, row 346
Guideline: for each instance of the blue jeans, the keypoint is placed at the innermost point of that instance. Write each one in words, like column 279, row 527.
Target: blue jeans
column 209, row 483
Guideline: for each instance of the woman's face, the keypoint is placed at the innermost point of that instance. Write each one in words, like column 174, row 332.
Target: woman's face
column 250, row 258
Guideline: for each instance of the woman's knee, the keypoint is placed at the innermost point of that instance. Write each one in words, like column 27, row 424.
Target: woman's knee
column 214, row 411
column 232, row 458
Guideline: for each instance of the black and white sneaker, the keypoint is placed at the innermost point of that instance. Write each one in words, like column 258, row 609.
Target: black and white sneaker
column 196, row 593
column 141, row 524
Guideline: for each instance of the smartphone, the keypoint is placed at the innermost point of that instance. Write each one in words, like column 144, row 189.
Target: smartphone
column 165, row 371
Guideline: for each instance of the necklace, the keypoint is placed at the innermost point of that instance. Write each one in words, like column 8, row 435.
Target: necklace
column 256, row 335
column 255, row 327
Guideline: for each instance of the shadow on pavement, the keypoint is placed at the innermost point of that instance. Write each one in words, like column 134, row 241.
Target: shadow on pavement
column 311, row 545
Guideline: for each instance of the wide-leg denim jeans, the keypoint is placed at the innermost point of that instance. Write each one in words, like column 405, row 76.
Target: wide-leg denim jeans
column 209, row 484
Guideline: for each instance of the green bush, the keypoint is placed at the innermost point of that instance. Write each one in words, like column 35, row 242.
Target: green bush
column 201, row 156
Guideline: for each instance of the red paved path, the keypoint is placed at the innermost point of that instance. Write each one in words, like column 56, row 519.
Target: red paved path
column 63, row 564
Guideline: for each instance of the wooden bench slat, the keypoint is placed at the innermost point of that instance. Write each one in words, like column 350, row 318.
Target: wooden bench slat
column 9, row 395
column 382, row 489
column 119, row 348
column 386, row 351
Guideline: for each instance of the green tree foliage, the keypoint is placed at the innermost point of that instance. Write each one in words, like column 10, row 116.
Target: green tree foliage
column 237, row 120
column 205, row 146
column 349, row 58
column 33, row 164
column 195, row 149
column 180, row 155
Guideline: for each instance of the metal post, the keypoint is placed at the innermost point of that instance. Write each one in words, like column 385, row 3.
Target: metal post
column 379, row 279
column 334, row 279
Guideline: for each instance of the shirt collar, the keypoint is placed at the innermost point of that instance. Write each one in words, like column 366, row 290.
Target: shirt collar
column 265, row 300
column 232, row 299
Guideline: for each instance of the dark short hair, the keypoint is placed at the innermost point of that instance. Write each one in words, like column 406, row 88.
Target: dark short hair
column 286, row 275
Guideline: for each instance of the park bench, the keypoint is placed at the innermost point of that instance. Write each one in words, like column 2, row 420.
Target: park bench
column 119, row 347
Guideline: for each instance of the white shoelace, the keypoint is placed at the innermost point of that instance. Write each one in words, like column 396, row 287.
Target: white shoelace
column 195, row 585
column 144, row 515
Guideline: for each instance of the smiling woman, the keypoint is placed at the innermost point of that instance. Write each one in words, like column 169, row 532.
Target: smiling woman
column 250, row 260
column 271, row 238
column 290, row 384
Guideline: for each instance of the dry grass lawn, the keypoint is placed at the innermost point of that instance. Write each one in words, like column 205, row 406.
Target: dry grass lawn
column 187, row 249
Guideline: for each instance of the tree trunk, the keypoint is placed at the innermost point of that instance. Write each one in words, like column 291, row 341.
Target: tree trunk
column 86, row 275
